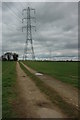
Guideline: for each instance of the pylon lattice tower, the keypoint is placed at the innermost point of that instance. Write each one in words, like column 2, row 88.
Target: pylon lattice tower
column 29, row 33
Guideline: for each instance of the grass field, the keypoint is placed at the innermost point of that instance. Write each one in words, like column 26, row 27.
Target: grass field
column 8, row 92
column 64, row 71
column 0, row 89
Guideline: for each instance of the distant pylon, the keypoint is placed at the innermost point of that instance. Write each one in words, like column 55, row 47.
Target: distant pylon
column 29, row 39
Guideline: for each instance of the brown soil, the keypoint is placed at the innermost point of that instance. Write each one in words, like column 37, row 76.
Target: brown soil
column 31, row 102
column 68, row 92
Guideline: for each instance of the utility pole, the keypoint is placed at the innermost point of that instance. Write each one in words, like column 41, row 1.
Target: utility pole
column 29, row 27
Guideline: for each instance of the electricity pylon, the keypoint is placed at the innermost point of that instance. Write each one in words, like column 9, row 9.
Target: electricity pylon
column 28, row 33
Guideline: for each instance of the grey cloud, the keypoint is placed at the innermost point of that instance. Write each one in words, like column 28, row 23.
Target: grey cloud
column 71, row 46
column 57, row 25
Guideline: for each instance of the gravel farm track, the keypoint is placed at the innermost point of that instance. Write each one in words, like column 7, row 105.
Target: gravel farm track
column 32, row 103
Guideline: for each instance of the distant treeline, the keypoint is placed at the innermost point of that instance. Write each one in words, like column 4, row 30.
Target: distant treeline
column 9, row 56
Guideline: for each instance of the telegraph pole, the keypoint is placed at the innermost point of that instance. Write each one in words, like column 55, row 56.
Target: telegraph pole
column 28, row 27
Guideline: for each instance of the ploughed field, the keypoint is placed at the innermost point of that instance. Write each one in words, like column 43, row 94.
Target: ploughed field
column 64, row 71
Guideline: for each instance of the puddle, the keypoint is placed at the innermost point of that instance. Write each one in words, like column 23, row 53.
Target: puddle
column 38, row 74
column 23, row 76
column 43, row 104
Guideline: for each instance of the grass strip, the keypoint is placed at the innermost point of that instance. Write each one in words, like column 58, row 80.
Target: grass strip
column 8, row 89
column 67, row 108
column 66, row 72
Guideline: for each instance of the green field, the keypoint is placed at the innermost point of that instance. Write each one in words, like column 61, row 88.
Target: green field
column 8, row 88
column 0, row 89
column 64, row 71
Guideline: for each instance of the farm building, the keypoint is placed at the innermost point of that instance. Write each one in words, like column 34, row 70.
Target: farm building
column 9, row 56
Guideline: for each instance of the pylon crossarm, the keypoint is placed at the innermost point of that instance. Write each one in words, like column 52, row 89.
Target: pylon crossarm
column 23, row 19
column 23, row 28
column 23, row 11
column 33, row 9
column 33, row 27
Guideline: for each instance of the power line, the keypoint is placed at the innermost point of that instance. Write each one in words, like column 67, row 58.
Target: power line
column 22, row 4
column 12, row 12
column 19, row 12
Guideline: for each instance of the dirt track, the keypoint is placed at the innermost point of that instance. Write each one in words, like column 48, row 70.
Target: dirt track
column 33, row 103
column 68, row 92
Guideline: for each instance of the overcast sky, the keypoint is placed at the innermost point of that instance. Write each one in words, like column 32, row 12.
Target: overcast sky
column 56, row 25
